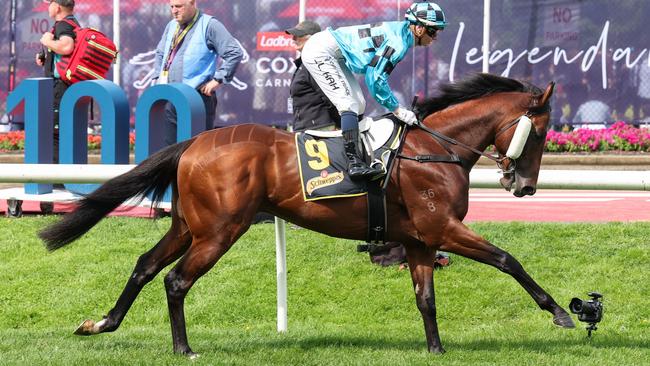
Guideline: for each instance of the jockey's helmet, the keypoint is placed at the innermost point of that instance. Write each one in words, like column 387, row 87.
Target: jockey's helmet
column 427, row 14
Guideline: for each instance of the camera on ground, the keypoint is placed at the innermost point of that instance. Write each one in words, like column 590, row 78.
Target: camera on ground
column 588, row 311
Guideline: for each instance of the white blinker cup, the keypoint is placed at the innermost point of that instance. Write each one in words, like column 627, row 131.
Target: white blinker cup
column 519, row 138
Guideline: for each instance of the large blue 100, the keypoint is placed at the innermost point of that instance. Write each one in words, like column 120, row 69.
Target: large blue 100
column 115, row 112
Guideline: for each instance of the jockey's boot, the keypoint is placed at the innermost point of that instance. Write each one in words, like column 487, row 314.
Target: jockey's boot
column 357, row 167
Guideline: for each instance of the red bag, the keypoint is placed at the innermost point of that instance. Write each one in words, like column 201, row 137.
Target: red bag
column 91, row 58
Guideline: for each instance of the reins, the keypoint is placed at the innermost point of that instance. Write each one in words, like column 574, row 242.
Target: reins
column 442, row 138
column 452, row 157
column 445, row 141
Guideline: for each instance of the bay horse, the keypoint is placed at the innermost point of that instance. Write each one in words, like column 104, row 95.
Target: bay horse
column 221, row 178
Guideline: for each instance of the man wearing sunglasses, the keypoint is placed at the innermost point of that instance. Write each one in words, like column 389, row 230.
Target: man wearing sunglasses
column 333, row 55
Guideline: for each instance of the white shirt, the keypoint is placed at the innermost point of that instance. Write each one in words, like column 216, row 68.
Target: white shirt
column 644, row 81
column 593, row 111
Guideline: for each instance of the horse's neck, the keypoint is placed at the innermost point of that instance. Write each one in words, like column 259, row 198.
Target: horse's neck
column 473, row 123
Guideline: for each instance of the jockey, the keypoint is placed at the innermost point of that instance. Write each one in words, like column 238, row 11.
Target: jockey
column 331, row 56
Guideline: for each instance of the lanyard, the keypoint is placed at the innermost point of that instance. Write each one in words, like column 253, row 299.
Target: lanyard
column 178, row 40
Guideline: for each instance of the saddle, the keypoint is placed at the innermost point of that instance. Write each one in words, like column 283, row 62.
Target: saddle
column 323, row 167
column 375, row 136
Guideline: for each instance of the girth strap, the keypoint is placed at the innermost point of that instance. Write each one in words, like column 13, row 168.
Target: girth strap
column 376, row 213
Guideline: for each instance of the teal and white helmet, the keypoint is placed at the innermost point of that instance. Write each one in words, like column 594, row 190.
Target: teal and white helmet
column 427, row 14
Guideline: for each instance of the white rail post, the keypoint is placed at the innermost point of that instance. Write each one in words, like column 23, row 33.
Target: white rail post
column 116, row 40
column 486, row 36
column 281, row 244
column 281, row 273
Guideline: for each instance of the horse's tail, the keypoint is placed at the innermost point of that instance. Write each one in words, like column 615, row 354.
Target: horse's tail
column 153, row 176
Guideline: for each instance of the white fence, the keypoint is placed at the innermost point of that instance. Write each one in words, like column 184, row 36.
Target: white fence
column 479, row 178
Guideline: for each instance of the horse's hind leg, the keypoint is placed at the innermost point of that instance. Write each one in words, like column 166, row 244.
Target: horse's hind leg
column 461, row 240
column 420, row 259
column 204, row 252
column 169, row 248
column 216, row 223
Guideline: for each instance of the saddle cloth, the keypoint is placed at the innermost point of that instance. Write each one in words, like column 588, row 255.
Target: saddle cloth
column 323, row 165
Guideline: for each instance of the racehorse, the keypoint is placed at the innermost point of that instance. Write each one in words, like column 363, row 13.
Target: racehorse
column 221, row 178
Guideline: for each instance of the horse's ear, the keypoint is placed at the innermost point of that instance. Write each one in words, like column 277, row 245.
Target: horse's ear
column 547, row 94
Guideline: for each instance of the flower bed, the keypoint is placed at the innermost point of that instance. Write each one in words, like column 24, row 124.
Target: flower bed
column 15, row 141
column 617, row 138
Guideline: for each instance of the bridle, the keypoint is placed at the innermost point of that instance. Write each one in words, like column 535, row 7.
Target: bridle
column 505, row 163
column 512, row 159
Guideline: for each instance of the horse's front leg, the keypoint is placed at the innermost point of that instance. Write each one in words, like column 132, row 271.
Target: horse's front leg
column 420, row 260
column 459, row 239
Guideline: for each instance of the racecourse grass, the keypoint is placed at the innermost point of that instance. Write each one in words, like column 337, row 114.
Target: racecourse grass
column 342, row 309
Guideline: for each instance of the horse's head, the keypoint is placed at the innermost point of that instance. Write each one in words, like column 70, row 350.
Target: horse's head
column 521, row 143
column 517, row 114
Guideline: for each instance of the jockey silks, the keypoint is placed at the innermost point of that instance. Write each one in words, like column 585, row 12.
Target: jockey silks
column 375, row 49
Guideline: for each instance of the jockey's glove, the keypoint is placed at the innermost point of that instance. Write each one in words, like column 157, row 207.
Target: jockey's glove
column 405, row 116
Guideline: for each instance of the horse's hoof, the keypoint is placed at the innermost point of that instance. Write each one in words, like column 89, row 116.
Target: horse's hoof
column 188, row 353
column 89, row 327
column 563, row 320
column 438, row 350
column 85, row 328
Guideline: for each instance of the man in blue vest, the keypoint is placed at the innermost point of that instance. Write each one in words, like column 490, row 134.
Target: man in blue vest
column 188, row 52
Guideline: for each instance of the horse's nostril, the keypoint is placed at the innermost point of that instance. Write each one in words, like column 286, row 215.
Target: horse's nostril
column 528, row 191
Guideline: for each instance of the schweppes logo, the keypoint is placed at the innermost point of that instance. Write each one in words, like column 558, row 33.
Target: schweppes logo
column 324, row 180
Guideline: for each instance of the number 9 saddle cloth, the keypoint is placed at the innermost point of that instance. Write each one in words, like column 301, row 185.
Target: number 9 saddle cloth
column 323, row 165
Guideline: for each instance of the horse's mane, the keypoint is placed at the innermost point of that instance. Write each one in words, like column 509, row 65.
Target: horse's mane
column 475, row 86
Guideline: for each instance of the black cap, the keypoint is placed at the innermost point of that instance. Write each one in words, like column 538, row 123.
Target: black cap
column 64, row 3
column 304, row 28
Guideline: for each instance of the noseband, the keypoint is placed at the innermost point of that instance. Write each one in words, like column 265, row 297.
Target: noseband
column 519, row 137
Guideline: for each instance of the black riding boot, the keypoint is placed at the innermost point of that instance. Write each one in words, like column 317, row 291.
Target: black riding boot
column 357, row 167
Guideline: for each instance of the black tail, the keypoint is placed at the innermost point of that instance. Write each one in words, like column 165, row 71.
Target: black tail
column 153, row 175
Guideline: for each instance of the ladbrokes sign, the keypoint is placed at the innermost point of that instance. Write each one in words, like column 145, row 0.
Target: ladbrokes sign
column 274, row 41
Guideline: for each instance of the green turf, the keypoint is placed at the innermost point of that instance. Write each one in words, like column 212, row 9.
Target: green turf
column 342, row 309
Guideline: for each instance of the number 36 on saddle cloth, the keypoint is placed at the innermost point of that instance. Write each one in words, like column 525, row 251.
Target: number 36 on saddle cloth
column 323, row 165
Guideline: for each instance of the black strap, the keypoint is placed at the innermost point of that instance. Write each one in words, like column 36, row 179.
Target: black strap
column 455, row 159
column 374, row 61
column 376, row 213
column 68, row 20
column 388, row 52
